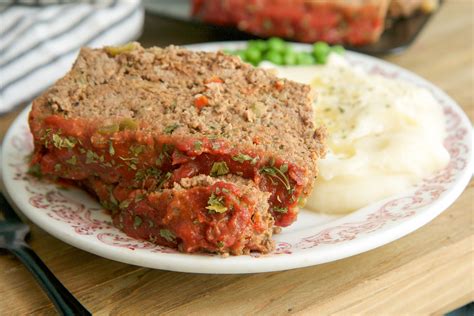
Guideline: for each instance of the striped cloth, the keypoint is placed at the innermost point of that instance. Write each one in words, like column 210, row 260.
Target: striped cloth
column 39, row 41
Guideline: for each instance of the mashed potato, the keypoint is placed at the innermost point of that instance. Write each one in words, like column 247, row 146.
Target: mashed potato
column 385, row 135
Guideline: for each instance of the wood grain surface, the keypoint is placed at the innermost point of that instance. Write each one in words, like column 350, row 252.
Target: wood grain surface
column 430, row 271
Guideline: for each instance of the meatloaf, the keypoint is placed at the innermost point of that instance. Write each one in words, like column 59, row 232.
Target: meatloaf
column 406, row 8
column 144, row 119
column 355, row 22
column 227, row 214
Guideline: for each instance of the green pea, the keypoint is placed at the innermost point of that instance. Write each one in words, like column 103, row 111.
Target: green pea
column 304, row 59
column 261, row 45
column 321, row 59
column 290, row 58
column 321, row 51
column 253, row 55
column 274, row 57
column 338, row 49
column 276, row 44
column 321, row 48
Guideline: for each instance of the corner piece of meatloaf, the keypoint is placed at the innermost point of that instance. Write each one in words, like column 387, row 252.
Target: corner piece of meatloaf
column 147, row 118
column 223, row 215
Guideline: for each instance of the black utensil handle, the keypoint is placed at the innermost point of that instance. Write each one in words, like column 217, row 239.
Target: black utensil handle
column 64, row 301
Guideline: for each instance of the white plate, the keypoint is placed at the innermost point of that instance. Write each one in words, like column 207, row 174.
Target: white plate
column 74, row 217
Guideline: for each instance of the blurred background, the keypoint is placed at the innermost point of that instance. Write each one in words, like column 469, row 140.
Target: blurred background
column 39, row 39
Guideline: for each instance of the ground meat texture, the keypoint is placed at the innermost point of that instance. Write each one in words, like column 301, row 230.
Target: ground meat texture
column 200, row 214
column 146, row 118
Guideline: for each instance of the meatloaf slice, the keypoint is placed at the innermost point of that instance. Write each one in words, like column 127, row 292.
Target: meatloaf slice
column 355, row 22
column 146, row 118
column 201, row 214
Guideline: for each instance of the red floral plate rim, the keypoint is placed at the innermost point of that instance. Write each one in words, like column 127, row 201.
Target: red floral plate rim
column 72, row 216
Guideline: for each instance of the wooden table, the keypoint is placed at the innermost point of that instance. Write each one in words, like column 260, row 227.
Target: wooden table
column 428, row 271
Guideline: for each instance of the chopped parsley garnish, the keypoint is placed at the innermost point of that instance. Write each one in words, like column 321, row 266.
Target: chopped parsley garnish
column 167, row 234
column 66, row 142
column 130, row 162
column 137, row 221
column 278, row 173
column 91, row 157
column 57, row 167
column 112, row 197
column 216, row 204
column 159, row 160
column 143, row 174
column 72, row 160
column 219, row 169
column 45, row 136
column 35, row 170
column 139, row 197
column 124, row 204
column 171, row 128
column 166, row 151
column 220, row 244
column 111, row 148
column 242, row 158
column 137, row 149
column 164, row 179
column 280, row 209
column 197, row 145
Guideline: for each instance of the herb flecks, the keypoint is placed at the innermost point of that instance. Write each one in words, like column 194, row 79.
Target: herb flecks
column 170, row 128
column 139, row 197
column 137, row 149
column 197, row 145
column 72, row 160
column 124, row 204
column 277, row 173
column 35, row 170
column 164, row 179
column 166, row 151
column 63, row 142
column 167, row 235
column 46, row 136
column 243, row 157
column 216, row 204
column 111, row 148
column 130, row 162
column 92, row 157
column 143, row 174
column 219, row 169
column 282, row 210
column 137, row 221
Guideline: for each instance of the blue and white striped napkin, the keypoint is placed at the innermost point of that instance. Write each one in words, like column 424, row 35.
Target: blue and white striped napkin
column 39, row 41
